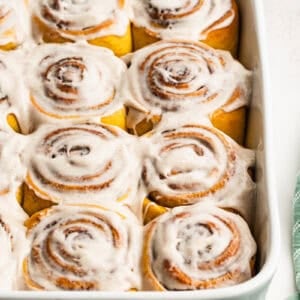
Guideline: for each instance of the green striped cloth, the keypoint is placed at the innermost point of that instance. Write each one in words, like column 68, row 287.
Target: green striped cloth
column 296, row 234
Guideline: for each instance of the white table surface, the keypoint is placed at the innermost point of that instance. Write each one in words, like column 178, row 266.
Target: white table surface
column 283, row 34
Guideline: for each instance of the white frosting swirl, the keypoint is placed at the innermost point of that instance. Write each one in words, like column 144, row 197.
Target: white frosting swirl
column 83, row 19
column 199, row 247
column 83, row 163
column 84, row 248
column 196, row 163
column 185, row 76
column 73, row 81
column 169, row 19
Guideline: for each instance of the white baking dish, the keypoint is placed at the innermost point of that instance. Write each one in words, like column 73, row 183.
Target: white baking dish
column 265, row 226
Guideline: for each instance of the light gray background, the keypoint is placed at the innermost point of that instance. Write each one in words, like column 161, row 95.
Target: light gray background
column 283, row 34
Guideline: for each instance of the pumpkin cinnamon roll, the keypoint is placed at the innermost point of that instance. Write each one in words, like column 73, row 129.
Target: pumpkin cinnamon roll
column 197, row 163
column 214, row 22
column 101, row 24
column 12, row 23
column 196, row 248
column 83, row 247
column 14, row 246
column 86, row 162
column 181, row 77
column 75, row 82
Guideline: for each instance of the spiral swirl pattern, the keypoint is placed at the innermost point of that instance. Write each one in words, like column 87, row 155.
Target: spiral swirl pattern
column 65, row 247
column 184, row 76
column 179, row 19
column 83, row 19
column 199, row 164
column 206, row 247
column 74, row 81
column 86, row 162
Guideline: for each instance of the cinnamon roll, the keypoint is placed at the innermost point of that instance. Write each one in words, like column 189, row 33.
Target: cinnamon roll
column 75, row 82
column 196, row 248
column 83, row 247
column 214, row 22
column 14, row 246
column 101, row 23
column 84, row 163
column 12, row 23
column 182, row 76
column 197, row 163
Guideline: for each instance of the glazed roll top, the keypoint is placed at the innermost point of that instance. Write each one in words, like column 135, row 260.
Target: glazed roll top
column 83, row 247
column 12, row 24
column 87, row 163
column 197, row 163
column 181, row 19
column 184, row 76
column 83, row 20
column 73, row 82
column 198, row 247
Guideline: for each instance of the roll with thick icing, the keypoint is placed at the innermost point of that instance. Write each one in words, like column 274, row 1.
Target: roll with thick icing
column 101, row 23
column 75, row 82
column 213, row 22
column 87, row 163
column 83, row 248
column 194, row 164
column 183, row 76
column 196, row 248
